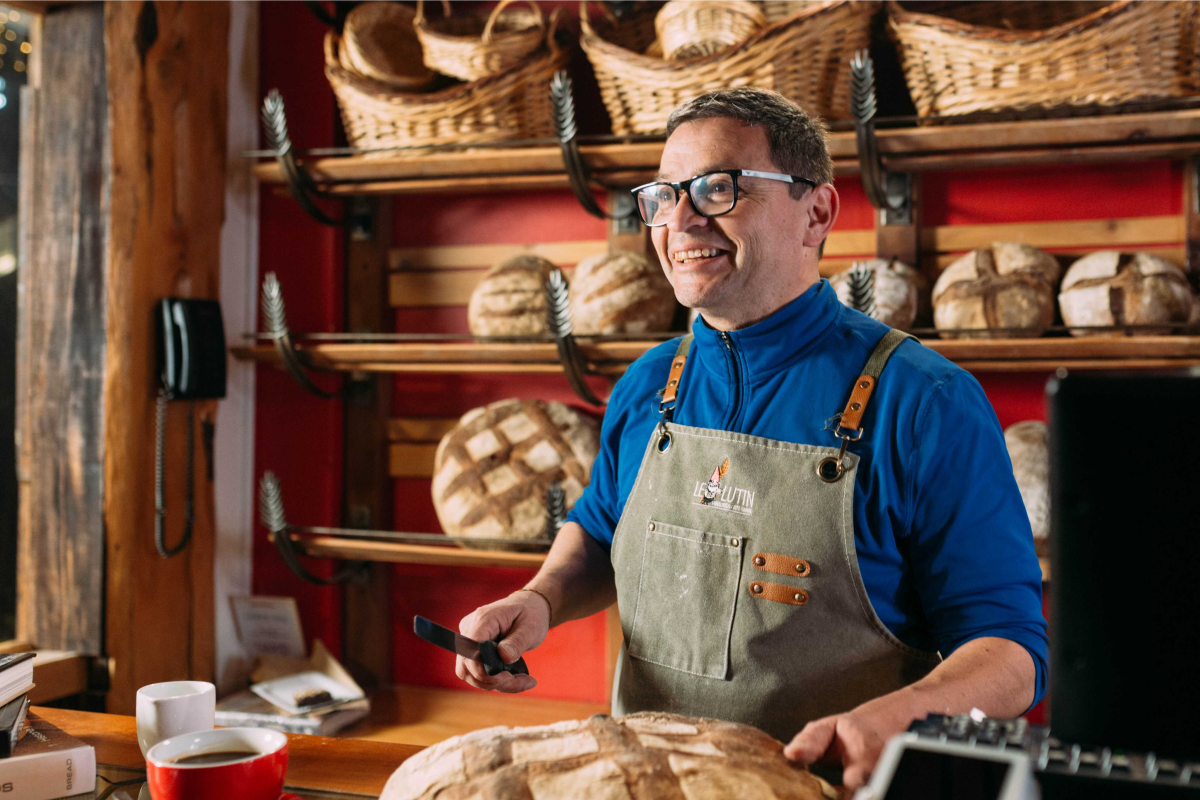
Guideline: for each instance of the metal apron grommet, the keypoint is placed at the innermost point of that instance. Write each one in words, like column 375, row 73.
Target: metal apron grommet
column 664, row 440
column 829, row 469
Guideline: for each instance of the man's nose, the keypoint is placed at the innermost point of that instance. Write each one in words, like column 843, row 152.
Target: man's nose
column 684, row 216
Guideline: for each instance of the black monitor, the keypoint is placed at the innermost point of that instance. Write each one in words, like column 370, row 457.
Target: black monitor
column 1125, row 559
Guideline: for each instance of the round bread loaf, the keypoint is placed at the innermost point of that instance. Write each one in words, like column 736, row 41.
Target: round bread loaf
column 620, row 293
column 491, row 471
column 898, row 290
column 511, row 299
column 1113, row 288
column 1009, row 285
column 644, row 756
column 1029, row 450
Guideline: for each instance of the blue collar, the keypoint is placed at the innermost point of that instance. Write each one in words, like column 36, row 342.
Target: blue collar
column 774, row 342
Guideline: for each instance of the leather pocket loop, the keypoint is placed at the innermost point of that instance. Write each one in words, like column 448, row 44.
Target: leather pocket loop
column 778, row 593
column 782, row 565
column 686, row 597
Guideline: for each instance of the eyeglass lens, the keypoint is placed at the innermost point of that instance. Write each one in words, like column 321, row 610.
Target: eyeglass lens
column 712, row 194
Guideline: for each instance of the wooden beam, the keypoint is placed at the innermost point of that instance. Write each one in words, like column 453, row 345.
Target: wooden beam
column 411, row 460
column 366, row 490
column 419, row 429
column 58, row 674
column 167, row 80
column 1098, row 234
column 61, row 337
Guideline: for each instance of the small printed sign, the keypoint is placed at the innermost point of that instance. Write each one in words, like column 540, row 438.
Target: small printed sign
column 269, row 625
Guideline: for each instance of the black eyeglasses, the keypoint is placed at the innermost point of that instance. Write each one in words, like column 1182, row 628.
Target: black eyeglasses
column 712, row 194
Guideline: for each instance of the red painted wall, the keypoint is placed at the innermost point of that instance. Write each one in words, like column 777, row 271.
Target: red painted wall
column 300, row 437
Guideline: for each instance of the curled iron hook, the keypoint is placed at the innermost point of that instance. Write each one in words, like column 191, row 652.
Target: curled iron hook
column 275, row 318
column 562, row 326
column 889, row 192
column 301, row 185
column 567, row 131
column 273, row 518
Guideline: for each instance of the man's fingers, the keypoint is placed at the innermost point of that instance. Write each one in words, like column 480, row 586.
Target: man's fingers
column 812, row 742
column 855, row 776
column 504, row 682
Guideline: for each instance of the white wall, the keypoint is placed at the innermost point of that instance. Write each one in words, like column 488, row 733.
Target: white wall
column 234, row 445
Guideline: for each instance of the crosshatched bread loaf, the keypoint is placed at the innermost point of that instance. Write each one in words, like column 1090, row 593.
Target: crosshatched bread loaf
column 1009, row 285
column 644, row 756
column 491, row 471
column 511, row 299
column 621, row 293
column 1113, row 288
column 901, row 292
column 1029, row 449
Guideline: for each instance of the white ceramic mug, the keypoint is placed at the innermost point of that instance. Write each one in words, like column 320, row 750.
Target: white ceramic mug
column 173, row 709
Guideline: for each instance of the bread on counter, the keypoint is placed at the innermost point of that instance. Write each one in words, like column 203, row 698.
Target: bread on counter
column 491, row 471
column 1029, row 449
column 511, row 299
column 1008, row 285
column 642, row 756
column 621, row 292
column 1114, row 288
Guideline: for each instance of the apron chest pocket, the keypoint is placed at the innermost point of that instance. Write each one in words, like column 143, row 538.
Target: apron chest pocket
column 686, row 597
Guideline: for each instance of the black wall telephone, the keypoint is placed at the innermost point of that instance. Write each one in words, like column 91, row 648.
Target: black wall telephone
column 191, row 366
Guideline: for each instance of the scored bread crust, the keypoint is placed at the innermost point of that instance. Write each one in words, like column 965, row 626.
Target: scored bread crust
column 491, row 471
column 901, row 293
column 645, row 756
column 1114, row 288
column 510, row 300
column 1029, row 450
column 1009, row 285
column 620, row 292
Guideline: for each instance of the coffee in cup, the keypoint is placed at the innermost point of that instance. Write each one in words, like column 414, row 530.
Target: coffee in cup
column 227, row 763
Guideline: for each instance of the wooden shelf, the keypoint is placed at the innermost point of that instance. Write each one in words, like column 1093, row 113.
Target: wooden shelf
column 611, row 358
column 1092, row 139
column 397, row 553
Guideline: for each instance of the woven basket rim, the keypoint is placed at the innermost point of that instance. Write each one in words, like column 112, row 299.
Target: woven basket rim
column 898, row 15
column 535, row 61
column 424, row 26
column 590, row 38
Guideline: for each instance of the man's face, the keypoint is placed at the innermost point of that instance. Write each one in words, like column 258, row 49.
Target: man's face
column 759, row 245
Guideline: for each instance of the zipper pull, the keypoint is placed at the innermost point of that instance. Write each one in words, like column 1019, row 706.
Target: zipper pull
column 725, row 339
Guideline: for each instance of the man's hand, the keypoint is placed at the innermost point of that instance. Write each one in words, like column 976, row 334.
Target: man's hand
column 523, row 620
column 853, row 740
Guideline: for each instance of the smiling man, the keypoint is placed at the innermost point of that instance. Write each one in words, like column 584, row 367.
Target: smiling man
column 809, row 521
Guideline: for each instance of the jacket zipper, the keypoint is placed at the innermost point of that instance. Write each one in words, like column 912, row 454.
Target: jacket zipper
column 735, row 406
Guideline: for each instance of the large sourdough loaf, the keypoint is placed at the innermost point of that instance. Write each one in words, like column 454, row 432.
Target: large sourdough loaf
column 511, row 299
column 620, row 293
column 1009, row 285
column 1029, row 450
column 644, row 756
column 1113, row 288
column 900, row 292
column 491, row 471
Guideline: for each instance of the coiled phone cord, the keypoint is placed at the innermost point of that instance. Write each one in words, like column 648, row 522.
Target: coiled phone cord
column 160, row 511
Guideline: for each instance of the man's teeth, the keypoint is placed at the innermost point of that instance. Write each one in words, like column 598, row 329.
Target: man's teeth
column 689, row 255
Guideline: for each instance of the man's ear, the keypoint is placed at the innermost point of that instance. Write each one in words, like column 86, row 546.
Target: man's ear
column 822, row 213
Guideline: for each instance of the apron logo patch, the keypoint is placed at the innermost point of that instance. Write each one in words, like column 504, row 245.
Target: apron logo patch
column 727, row 498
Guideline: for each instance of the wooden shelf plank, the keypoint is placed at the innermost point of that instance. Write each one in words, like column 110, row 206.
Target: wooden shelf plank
column 1046, row 353
column 398, row 553
column 1162, row 134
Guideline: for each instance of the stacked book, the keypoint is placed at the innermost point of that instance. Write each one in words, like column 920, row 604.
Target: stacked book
column 312, row 702
column 37, row 760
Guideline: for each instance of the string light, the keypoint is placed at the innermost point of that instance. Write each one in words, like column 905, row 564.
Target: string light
column 3, row 101
column 3, row 48
column 14, row 15
column 26, row 47
column 19, row 66
column 10, row 35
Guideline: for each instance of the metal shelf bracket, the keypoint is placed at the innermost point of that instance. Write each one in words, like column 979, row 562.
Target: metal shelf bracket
column 889, row 192
column 301, row 185
column 578, row 176
column 273, row 518
column 275, row 319
column 562, row 327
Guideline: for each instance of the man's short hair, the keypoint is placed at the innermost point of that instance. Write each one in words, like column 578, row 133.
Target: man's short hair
column 796, row 139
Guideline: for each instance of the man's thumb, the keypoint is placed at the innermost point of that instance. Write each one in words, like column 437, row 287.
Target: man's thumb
column 513, row 645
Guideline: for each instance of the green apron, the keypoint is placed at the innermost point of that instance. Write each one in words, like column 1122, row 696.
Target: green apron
column 737, row 576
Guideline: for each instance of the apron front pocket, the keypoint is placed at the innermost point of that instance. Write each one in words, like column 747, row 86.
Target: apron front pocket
column 686, row 597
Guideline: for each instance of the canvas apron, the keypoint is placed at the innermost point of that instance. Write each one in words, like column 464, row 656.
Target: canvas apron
column 737, row 576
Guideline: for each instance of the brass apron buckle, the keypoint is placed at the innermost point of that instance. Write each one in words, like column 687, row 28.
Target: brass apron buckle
column 831, row 468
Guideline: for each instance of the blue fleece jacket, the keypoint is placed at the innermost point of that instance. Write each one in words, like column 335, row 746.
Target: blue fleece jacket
column 944, row 543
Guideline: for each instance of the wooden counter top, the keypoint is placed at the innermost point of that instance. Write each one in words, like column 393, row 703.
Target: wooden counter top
column 314, row 762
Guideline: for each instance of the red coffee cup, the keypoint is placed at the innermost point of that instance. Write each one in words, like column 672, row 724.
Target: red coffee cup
column 229, row 763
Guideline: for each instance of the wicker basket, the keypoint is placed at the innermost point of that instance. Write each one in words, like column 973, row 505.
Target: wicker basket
column 805, row 57
column 473, row 47
column 1124, row 51
column 695, row 28
column 380, row 43
column 775, row 10
column 514, row 104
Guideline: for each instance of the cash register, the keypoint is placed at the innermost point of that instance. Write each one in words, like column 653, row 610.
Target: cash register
column 1125, row 616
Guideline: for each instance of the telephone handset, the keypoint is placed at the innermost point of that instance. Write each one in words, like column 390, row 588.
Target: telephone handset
column 191, row 366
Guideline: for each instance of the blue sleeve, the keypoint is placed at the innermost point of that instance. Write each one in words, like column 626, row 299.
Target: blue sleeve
column 971, row 546
column 598, row 509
